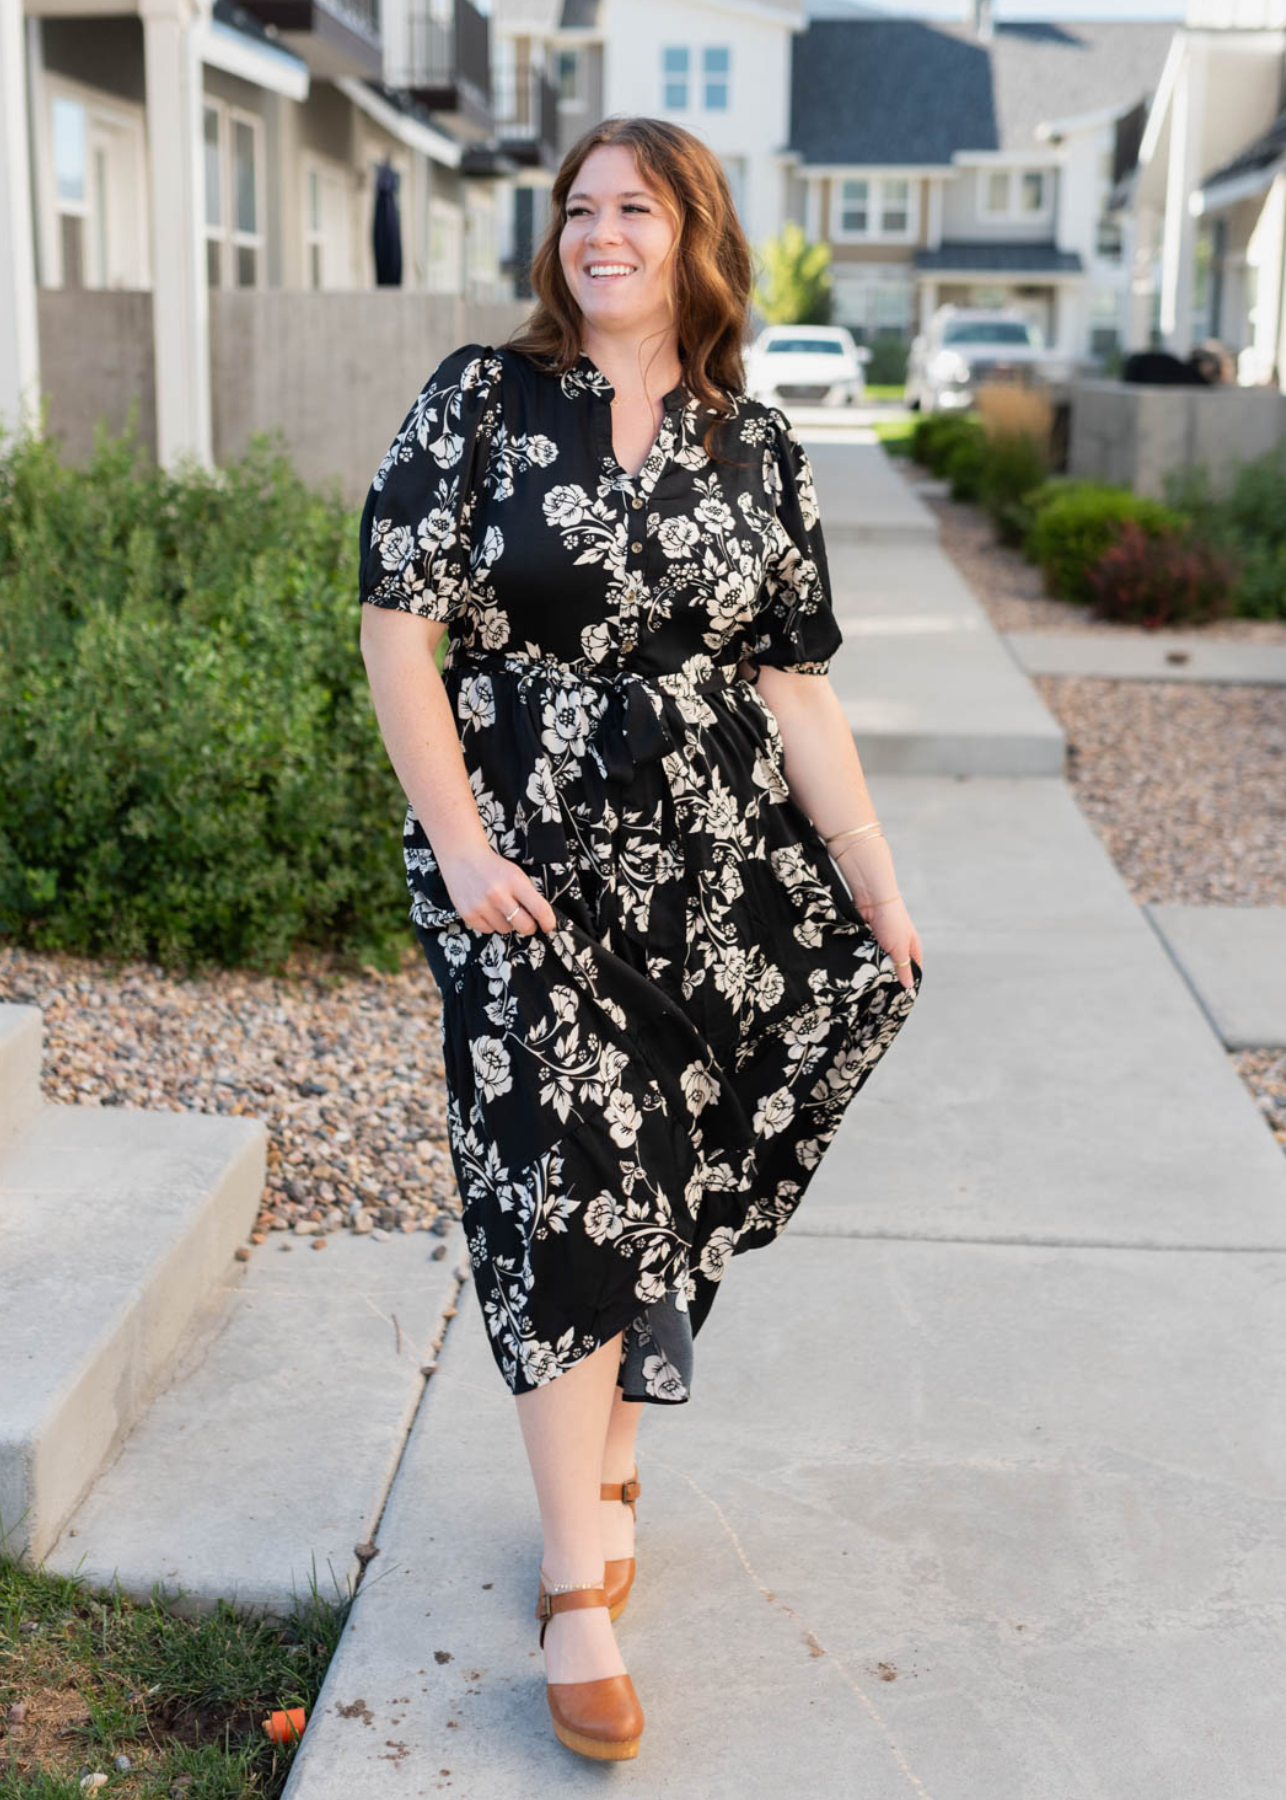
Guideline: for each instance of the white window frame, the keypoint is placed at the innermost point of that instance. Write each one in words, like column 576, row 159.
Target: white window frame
column 877, row 205
column 445, row 274
column 1013, row 212
column 718, row 78
column 326, row 167
column 109, row 116
column 669, row 78
column 227, row 235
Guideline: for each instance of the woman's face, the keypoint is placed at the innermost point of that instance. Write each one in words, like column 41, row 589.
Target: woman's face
column 613, row 218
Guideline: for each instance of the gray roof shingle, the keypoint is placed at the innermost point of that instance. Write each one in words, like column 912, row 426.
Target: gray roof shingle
column 914, row 91
column 995, row 257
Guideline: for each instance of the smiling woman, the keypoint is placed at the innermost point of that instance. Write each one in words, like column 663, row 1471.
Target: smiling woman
column 659, row 997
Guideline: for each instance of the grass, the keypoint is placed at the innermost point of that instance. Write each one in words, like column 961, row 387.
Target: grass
column 895, row 434
column 101, row 1675
column 885, row 390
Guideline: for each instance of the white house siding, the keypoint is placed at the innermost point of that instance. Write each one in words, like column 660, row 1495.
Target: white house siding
column 756, row 124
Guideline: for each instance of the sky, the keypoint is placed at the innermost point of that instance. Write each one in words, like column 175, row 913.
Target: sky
column 1169, row 10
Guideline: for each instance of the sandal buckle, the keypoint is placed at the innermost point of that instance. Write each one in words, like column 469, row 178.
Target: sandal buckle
column 630, row 1490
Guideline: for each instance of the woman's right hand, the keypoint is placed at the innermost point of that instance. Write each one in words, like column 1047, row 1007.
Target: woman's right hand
column 484, row 886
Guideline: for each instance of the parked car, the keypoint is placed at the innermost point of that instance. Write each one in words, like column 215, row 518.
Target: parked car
column 964, row 345
column 816, row 365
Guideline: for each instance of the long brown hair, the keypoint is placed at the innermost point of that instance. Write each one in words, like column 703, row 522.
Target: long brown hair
column 711, row 261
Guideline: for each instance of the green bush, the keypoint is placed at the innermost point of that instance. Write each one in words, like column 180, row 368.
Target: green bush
column 1071, row 532
column 965, row 463
column 1016, row 464
column 1247, row 523
column 193, row 770
column 936, row 435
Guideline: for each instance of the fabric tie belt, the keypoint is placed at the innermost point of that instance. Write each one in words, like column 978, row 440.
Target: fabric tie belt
column 636, row 725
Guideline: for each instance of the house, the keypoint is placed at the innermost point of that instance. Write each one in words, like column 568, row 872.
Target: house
column 719, row 67
column 970, row 161
column 158, row 154
column 1206, row 192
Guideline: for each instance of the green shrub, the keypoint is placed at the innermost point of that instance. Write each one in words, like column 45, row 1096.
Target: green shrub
column 935, row 435
column 1246, row 523
column 1015, row 465
column 1071, row 532
column 1157, row 579
column 965, row 462
column 193, row 770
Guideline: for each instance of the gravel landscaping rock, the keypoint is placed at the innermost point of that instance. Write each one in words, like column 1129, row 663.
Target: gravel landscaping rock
column 344, row 1070
column 1185, row 784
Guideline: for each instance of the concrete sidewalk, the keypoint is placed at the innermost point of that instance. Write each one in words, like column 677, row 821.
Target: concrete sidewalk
column 980, row 1492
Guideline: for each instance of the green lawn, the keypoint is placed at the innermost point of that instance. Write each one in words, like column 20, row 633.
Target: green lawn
column 100, row 1676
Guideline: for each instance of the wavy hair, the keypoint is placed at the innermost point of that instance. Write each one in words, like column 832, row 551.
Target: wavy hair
column 710, row 259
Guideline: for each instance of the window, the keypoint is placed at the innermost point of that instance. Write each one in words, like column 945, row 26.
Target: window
column 327, row 233
column 569, row 72
column 1108, row 240
column 674, row 77
column 715, row 68
column 97, row 234
column 853, row 214
column 445, row 271
column 1014, row 193
column 895, row 200
column 71, row 187
column 234, row 236
column 864, row 199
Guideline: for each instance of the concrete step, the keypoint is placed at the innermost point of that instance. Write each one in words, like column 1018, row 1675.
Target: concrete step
column 1234, row 960
column 115, row 1225
column 21, row 1035
column 1058, row 1083
column 1147, row 656
column 926, row 681
column 277, row 1435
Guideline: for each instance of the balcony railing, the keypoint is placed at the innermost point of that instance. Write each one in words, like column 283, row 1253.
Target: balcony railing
column 526, row 113
column 334, row 37
column 449, row 60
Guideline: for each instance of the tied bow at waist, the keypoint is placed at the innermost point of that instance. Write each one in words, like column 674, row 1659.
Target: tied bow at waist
column 636, row 724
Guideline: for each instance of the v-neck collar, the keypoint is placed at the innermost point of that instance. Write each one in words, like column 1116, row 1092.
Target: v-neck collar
column 584, row 377
column 591, row 379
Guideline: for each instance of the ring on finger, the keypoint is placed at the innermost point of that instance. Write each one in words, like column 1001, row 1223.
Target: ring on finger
column 509, row 915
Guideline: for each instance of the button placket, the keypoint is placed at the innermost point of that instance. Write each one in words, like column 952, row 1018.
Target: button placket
column 636, row 555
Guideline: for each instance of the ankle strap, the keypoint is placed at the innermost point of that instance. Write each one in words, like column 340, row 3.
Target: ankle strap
column 548, row 1604
column 628, row 1491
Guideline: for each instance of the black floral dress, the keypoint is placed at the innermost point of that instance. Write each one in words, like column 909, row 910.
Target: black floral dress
column 644, row 1092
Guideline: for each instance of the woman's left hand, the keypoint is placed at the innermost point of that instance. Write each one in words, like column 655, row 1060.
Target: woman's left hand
column 891, row 923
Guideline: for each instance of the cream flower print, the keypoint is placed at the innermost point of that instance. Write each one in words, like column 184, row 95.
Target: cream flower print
column 642, row 1093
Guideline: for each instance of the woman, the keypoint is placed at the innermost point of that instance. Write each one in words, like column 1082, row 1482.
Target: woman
column 659, row 995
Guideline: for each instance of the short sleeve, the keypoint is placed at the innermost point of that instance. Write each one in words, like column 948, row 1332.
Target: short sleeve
column 415, row 528
column 796, row 626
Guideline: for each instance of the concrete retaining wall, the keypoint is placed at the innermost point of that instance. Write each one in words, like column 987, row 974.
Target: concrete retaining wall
column 95, row 356
column 1131, row 433
column 336, row 372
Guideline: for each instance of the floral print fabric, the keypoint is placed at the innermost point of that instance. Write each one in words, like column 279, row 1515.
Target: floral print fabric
column 645, row 1092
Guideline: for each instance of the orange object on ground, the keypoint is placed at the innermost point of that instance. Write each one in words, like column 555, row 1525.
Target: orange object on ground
column 285, row 1727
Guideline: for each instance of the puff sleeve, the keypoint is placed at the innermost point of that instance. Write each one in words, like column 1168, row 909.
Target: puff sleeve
column 415, row 529
column 796, row 626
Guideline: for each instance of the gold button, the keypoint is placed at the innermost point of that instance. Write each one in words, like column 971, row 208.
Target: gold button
column 636, row 547
column 628, row 643
column 636, row 504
